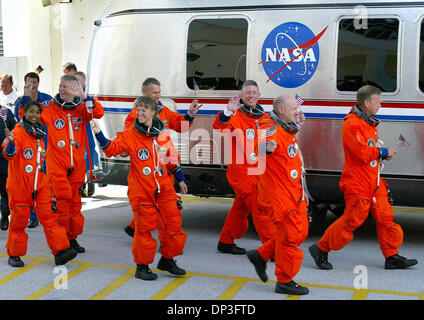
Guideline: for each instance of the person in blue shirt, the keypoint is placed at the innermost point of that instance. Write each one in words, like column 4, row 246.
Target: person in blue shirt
column 31, row 93
column 8, row 123
column 90, row 142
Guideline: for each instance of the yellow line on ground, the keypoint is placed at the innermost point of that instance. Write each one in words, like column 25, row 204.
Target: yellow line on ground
column 99, row 264
column 398, row 293
column 357, row 294
column 114, row 285
column 195, row 274
column 101, row 196
column 215, row 200
column 293, row 297
column 233, row 289
column 172, row 286
column 408, row 210
column 36, row 295
column 325, row 286
column 360, row 294
column 22, row 270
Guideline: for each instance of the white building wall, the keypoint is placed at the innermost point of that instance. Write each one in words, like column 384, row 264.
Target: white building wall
column 47, row 36
column 77, row 27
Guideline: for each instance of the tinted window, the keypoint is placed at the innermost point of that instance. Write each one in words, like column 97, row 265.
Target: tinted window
column 216, row 53
column 367, row 54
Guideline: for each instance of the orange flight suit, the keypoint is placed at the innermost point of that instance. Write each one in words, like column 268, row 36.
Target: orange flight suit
column 364, row 191
column 20, row 188
column 172, row 120
column 280, row 193
column 241, row 133
column 66, row 185
column 151, row 212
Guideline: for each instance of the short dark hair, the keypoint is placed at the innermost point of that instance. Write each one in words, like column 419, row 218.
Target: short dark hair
column 32, row 75
column 365, row 93
column 70, row 66
column 148, row 82
column 148, row 102
column 249, row 83
column 32, row 103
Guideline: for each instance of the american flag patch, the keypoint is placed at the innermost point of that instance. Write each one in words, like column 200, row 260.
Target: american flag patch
column 269, row 132
column 358, row 137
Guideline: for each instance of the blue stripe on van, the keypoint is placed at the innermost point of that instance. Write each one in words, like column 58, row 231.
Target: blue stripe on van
column 308, row 115
column 117, row 110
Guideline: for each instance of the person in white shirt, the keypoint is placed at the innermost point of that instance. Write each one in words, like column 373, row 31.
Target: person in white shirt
column 8, row 95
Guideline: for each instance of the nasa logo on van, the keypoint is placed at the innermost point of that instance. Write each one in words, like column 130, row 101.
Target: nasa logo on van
column 290, row 54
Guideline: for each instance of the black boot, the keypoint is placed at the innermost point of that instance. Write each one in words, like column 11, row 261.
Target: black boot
column 398, row 262
column 4, row 223
column 259, row 263
column 15, row 262
column 64, row 256
column 230, row 248
column 32, row 223
column 320, row 257
column 129, row 231
column 291, row 288
column 170, row 266
column 74, row 244
column 143, row 272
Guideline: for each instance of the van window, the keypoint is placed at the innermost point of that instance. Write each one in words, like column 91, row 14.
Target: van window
column 367, row 54
column 421, row 75
column 216, row 54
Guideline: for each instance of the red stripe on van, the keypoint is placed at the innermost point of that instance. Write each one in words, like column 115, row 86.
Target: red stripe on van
column 116, row 99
